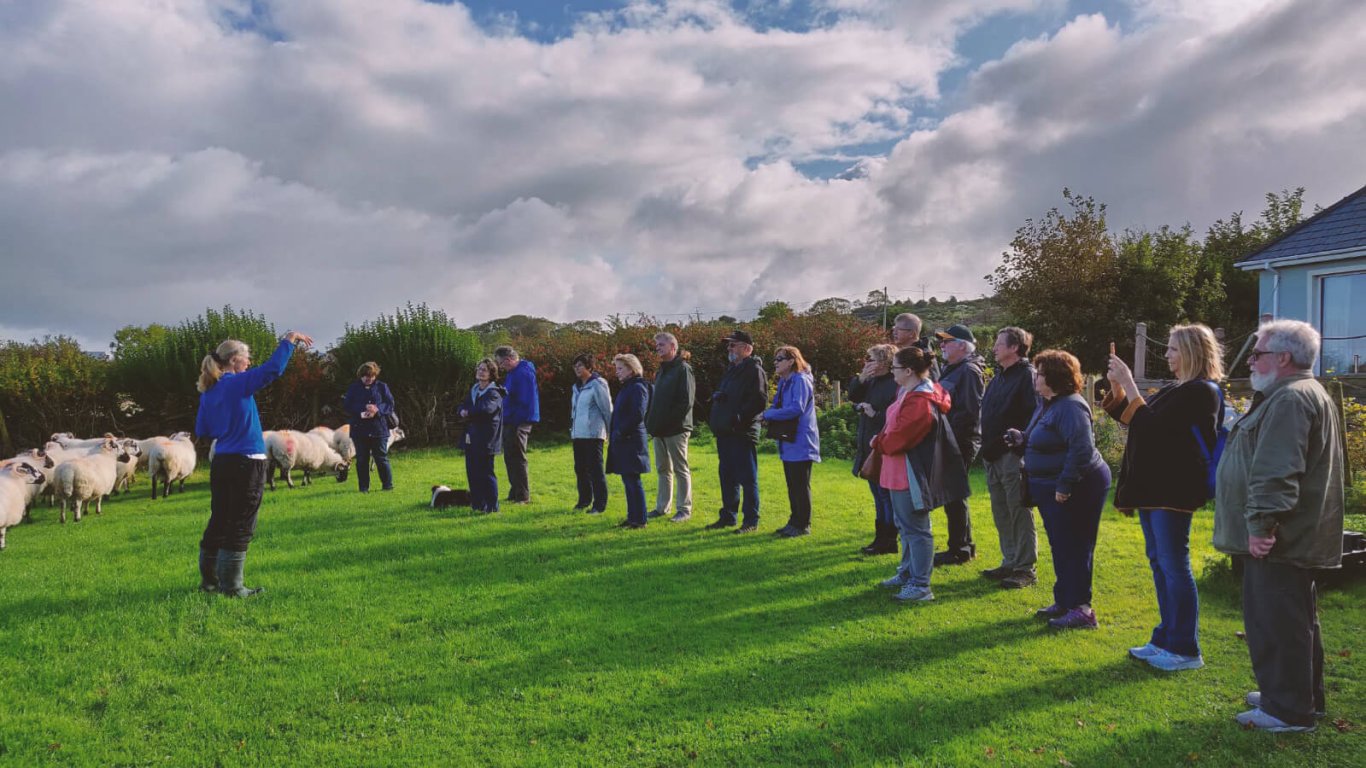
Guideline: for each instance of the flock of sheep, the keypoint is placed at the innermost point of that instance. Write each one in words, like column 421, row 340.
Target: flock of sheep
column 81, row 472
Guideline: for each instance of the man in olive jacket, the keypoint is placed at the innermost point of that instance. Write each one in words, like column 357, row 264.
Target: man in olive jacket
column 737, row 403
column 669, row 422
column 1278, row 509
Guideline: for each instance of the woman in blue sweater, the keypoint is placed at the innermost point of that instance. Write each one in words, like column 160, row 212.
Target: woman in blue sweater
column 237, row 476
column 795, row 401
column 1069, row 481
column 483, row 407
column 368, row 404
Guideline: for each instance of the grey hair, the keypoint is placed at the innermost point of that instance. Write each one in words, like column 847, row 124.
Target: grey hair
column 1296, row 337
column 666, row 336
column 506, row 353
column 970, row 347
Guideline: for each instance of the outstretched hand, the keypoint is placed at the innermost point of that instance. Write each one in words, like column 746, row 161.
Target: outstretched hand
column 1121, row 378
column 296, row 338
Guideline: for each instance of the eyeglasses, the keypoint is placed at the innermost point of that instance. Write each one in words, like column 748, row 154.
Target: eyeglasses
column 900, row 368
column 1256, row 353
column 903, row 330
column 780, row 358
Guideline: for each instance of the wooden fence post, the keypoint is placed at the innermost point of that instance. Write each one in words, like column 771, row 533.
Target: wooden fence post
column 1141, row 351
column 835, row 396
column 4, row 436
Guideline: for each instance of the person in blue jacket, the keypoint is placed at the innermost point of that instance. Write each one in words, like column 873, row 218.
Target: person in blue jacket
column 795, row 401
column 237, row 476
column 483, row 440
column 628, row 451
column 368, row 403
column 521, row 410
column 1070, row 482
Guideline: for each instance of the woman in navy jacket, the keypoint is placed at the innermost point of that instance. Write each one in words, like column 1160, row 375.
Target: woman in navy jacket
column 1070, row 482
column 628, row 453
column 368, row 403
column 483, row 407
column 1165, row 476
column 237, row 476
column 795, row 400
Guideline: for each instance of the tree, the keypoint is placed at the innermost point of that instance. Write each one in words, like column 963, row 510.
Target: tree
column 774, row 310
column 1060, row 276
column 831, row 306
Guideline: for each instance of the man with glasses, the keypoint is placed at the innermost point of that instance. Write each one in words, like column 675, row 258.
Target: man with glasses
column 737, row 403
column 906, row 333
column 962, row 378
column 669, row 422
column 1278, row 510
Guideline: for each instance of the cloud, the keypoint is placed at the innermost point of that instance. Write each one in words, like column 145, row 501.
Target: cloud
column 160, row 157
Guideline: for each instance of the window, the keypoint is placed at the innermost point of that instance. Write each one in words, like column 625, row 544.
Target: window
column 1342, row 321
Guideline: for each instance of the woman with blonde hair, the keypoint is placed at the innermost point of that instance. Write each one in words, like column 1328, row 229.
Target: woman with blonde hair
column 1165, row 476
column 872, row 392
column 792, row 420
column 237, row 476
column 628, row 452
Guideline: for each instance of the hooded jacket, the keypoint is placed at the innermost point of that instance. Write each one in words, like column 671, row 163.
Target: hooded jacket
column 796, row 399
column 484, row 433
column 907, row 444
column 964, row 382
column 1163, row 467
column 590, row 408
column 628, row 452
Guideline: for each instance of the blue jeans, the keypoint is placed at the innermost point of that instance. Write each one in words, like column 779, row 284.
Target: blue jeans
column 882, row 502
column 1071, row 528
column 738, row 467
column 635, row 498
column 366, row 448
column 917, row 539
column 483, row 482
column 1166, row 539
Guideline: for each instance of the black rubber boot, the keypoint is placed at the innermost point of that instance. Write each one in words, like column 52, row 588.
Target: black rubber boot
column 230, row 574
column 886, row 543
column 208, row 570
column 878, row 535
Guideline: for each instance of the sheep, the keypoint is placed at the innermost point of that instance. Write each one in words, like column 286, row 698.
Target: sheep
column 89, row 478
column 69, row 442
column 40, row 461
column 171, row 459
column 128, row 469
column 309, row 452
column 342, row 442
column 15, row 479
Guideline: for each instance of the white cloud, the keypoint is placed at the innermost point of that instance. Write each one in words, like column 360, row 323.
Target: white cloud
column 155, row 161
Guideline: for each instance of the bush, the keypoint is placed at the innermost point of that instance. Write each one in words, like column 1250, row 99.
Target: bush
column 427, row 362
column 51, row 386
column 839, row 432
column 1110, row 439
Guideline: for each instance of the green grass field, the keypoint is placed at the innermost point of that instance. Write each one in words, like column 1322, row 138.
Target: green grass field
column 392, row 634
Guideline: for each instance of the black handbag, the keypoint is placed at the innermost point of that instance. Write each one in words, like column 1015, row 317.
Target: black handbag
column 391, row 420
column 783, row 431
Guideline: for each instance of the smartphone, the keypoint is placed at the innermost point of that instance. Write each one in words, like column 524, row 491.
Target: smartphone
column 1112, row 347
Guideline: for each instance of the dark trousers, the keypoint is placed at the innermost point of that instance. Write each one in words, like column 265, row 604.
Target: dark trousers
column 635, row 498
column 483, row 482
column 1071, row 528
column 738, row 468
column 1281, row 617
column 960, row 522
column 367, row 448
column 1166, row 539
column 236, row 485
column 798, row 476
column 514, row 458
column 588, row 471
column 882, row 503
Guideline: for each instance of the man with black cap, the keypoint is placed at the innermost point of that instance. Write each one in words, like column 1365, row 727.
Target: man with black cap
column 962, row 378
column 736, row 405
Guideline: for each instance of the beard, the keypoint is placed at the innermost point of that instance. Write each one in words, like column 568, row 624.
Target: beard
column 732, row 357
column 1262, row 381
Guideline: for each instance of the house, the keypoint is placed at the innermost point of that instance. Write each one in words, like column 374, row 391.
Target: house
column 1316, row 272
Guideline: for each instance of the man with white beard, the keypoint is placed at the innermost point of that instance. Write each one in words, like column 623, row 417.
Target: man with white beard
column 1278, row 509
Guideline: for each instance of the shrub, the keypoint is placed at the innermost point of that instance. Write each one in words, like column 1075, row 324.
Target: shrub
column 51, row 386
column 1110, row 439
column 839, row 431
column 427, row 362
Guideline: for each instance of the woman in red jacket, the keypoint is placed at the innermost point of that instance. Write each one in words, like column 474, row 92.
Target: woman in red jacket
column 907, row 447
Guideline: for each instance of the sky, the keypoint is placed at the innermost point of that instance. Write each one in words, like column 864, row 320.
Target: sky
column 325, row 161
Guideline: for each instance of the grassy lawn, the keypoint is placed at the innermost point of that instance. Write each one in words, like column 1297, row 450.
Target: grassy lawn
column 392, row 634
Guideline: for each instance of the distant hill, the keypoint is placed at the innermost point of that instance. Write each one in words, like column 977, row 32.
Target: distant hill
column 974, row 313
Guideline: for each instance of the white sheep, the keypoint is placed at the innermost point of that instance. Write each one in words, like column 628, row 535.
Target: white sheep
column 40, row 461
column 342, row 442
column 70, row 442
column 89, row 478
column 289, row 449
column 15, row 479
column 170, row 460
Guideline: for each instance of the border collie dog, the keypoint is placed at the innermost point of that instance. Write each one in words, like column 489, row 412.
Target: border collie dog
column 443, row 497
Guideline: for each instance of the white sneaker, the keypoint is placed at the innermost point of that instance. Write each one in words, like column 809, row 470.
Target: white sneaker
column 913, row 594
column 1254, row 700
column 1259, row 719
column 1145, row 651
column 1174, row 662
column 896, row 582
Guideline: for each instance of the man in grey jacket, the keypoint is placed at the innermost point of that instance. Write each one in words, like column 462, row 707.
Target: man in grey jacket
column 1278, row 509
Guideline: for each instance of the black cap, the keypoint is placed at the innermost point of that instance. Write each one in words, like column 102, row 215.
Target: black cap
column 741, row 336
column 960, row 332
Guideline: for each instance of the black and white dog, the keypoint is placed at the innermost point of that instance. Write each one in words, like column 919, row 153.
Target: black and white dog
column 443, row 497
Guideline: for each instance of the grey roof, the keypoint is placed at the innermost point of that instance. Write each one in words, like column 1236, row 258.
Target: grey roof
column 1341, row 226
